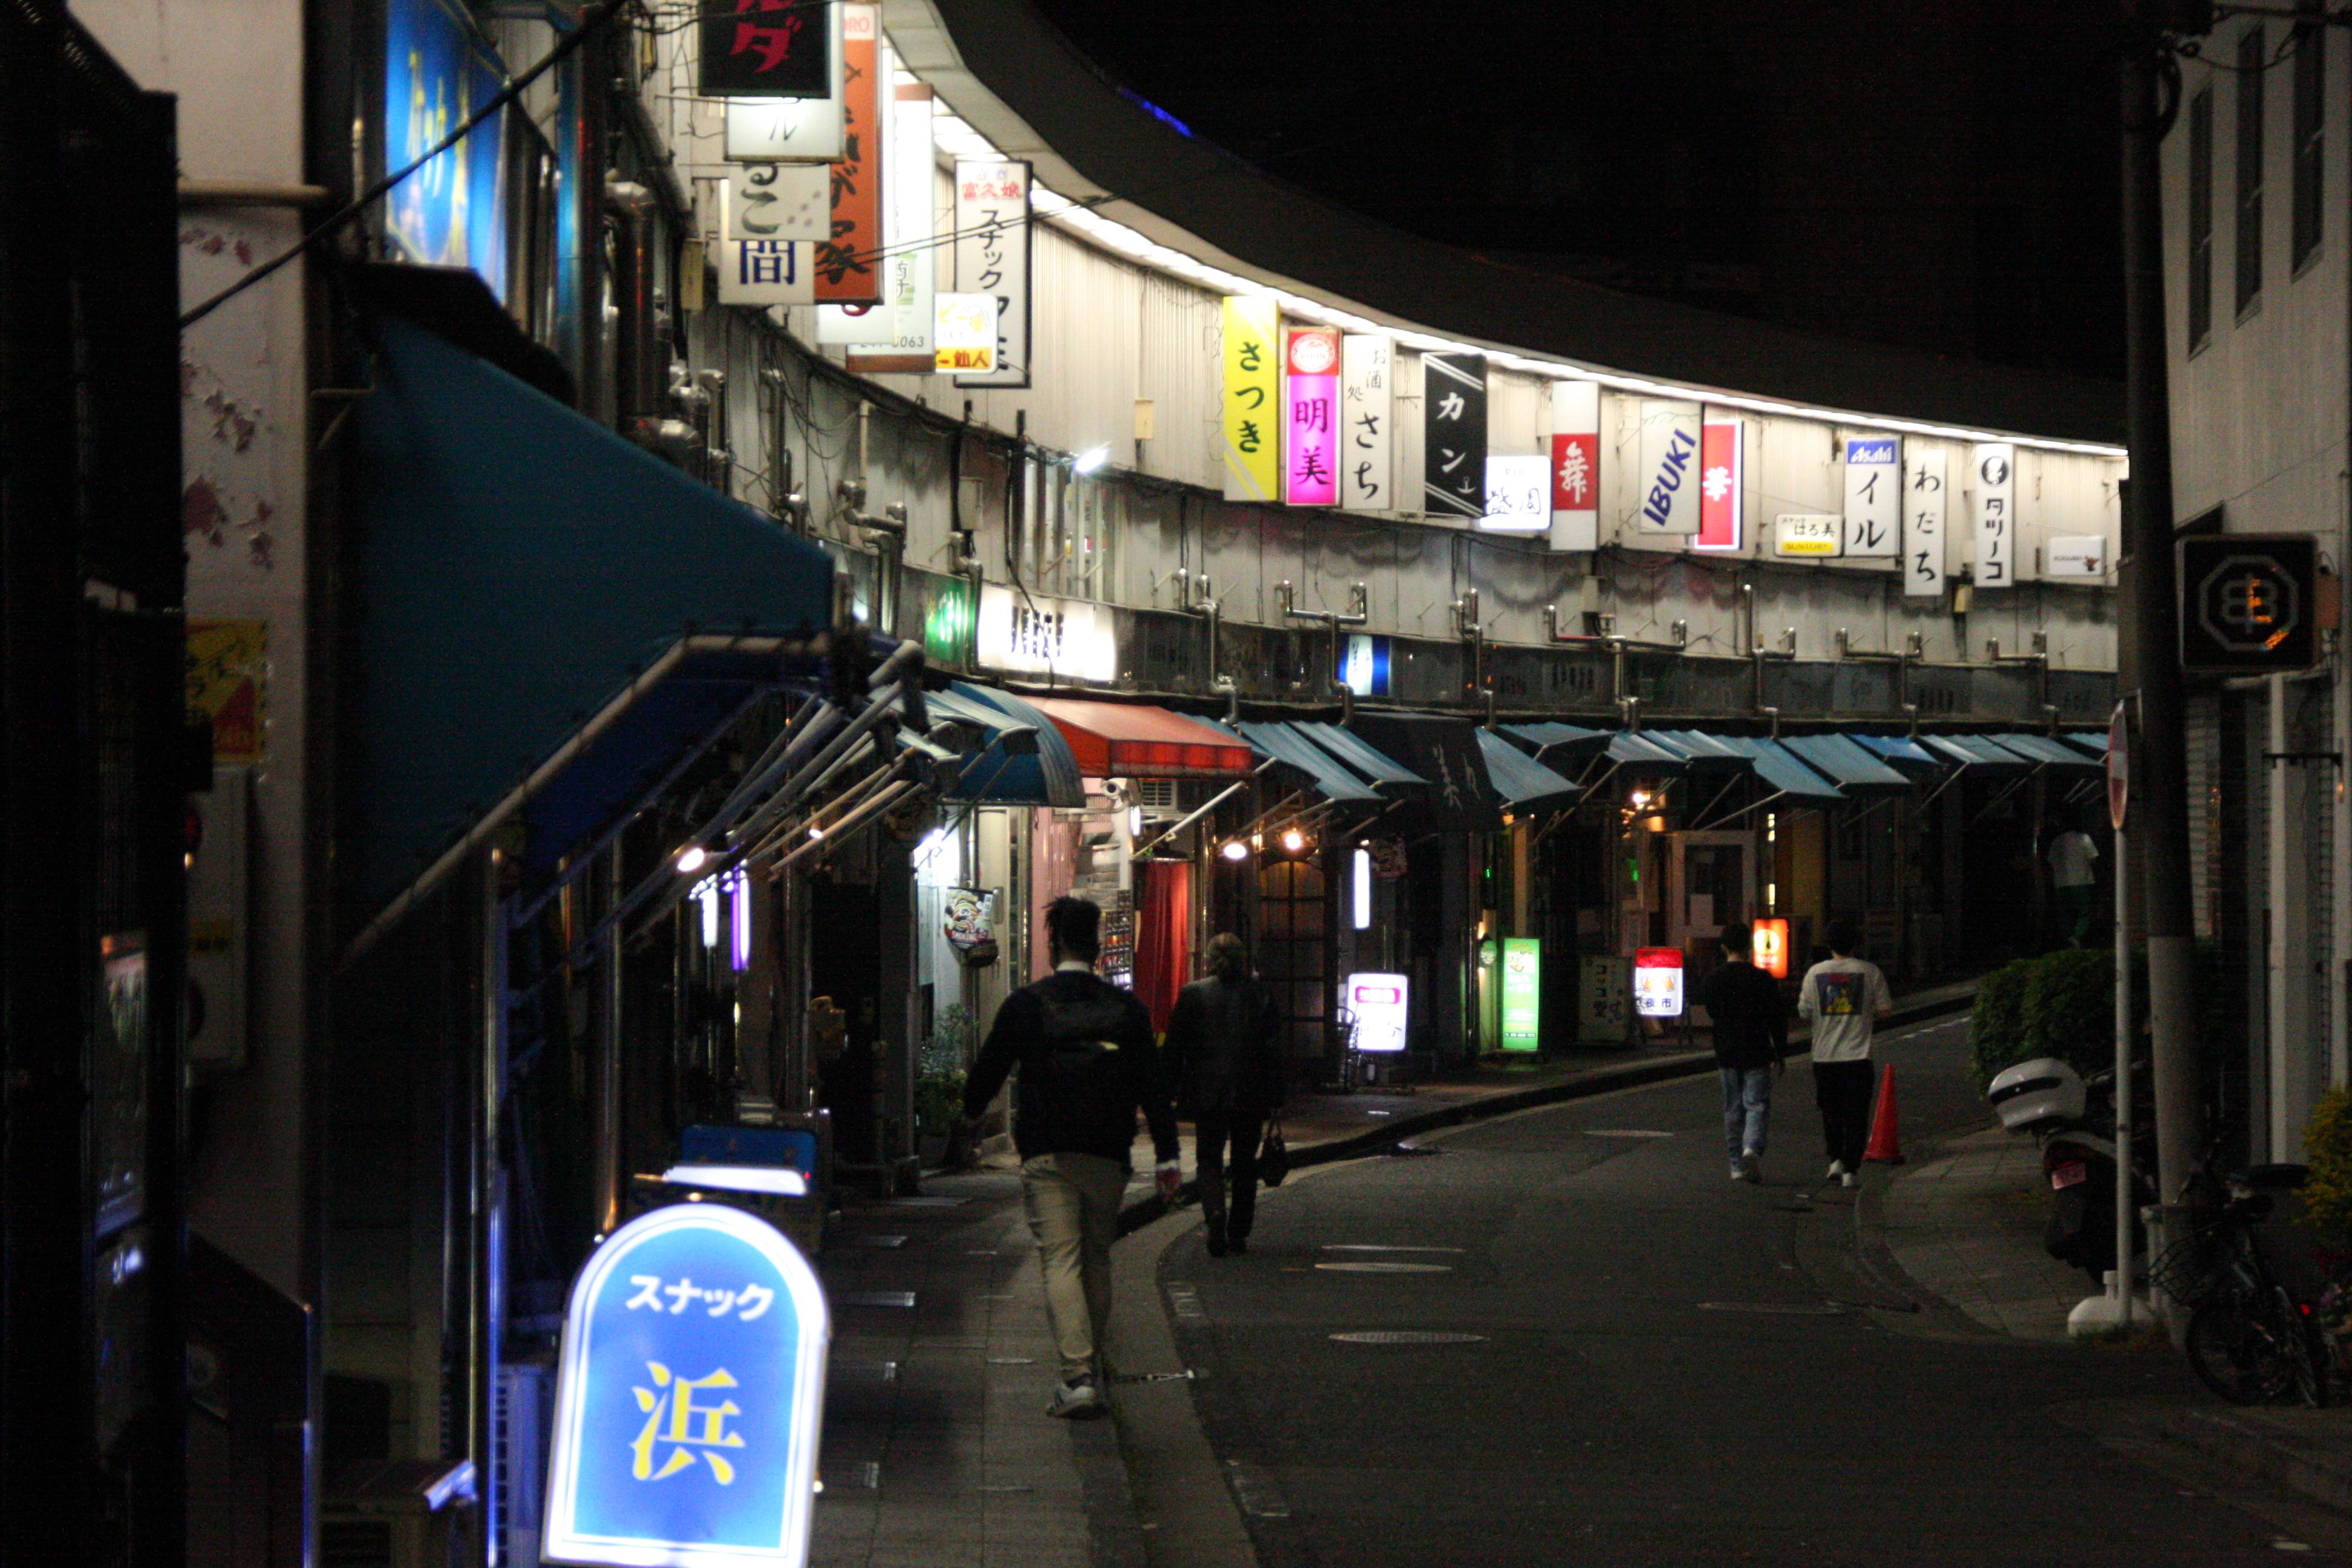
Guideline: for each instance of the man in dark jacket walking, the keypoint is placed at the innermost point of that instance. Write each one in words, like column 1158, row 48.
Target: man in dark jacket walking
column 1751, row 1041
column 1224, row 1058
column 1088, row 1063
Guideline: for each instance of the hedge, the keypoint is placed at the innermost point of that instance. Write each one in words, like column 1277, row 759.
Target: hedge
column 2061, row 1005
column 2327, row 1146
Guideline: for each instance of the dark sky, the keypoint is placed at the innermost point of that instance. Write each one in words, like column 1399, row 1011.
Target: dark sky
column 1939, row 175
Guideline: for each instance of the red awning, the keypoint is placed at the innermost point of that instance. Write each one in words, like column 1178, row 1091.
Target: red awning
column 1117, row 740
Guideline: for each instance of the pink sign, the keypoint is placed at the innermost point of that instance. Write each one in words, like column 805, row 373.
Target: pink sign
column 1720, row 485
column 1310, row 448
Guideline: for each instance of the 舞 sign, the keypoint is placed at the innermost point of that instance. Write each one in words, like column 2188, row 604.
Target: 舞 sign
column 690, row 1397
column 2248, row 602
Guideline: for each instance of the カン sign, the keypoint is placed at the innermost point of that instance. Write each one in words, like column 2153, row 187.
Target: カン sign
column 690, row 1397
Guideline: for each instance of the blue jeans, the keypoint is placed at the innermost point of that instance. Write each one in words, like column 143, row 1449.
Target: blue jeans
column 1747, row 1106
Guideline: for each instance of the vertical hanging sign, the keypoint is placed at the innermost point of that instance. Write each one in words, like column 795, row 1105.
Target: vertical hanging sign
column 758, row 269
column 910, row 271
column 992, row 255
column 1454, row 435
column 1925, row 499
column 690, row 1397
column 1310, row 396
column 1874, row 498
column 1668, row 495
column 1575, row 465
column 848, row 271
column 765, row 49
column 1253, row 409
column 1722, row 487
column 1995, row 472
column 1366, row 367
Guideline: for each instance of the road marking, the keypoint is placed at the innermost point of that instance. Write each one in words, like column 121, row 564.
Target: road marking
column 1379, row 1246
column 923, row 1202
column 1013, row 1360
column 875, row 1299
column 1781, row 1308
column 1124, row 1377
column 879, row 1240
column 865, row 1372
column 1623, row 1132
column 1186, row 1302
column 1259, row 1496
column 1373, row 1268
column 1407, row 1337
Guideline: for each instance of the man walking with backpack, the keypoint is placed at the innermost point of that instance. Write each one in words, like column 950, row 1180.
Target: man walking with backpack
column 1751, row 1039
column 1843, row 997
column 1088, row 1063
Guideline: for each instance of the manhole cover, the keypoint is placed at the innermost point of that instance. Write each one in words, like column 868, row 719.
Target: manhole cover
column 1369, row 1266
column 1776, row 1308
column 1407, row 1337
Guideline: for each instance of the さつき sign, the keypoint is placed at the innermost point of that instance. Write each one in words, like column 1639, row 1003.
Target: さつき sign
column 690, row 1398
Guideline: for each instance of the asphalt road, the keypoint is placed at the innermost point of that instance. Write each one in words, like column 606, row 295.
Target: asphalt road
column 1670, row 1368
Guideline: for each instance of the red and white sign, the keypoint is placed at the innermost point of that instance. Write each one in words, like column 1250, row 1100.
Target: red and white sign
column 1310, row 395
column 1575, row 465
column 1722, row 485
column 1769, row 948
column 1658, row 982
column 1379, row 1002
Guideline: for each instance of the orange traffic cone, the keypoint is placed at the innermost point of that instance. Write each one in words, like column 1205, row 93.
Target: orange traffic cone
column 1886, row 1148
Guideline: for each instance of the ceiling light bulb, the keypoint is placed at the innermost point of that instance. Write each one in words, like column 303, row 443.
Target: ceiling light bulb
column 1087, row 461
column 691, row 859
column 1294, row 840
column 1234, row 849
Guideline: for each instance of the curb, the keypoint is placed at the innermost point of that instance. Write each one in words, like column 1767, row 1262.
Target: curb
column 1603, row 1081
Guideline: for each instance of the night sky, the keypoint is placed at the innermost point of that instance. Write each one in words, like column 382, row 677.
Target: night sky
column 1935, row 174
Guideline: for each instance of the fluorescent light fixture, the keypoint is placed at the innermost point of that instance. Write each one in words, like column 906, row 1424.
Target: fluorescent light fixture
column 1135, row 821
column 1362, row 861
column 691, row 859
column 705, row 893
column 779, row 1181
column 1087, row 461
column 738, row 924
column 1234, row 849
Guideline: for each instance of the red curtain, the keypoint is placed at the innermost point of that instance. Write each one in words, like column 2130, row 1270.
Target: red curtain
column 1163, row 937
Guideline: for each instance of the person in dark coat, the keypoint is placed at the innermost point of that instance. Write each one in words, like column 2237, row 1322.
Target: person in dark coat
column 1751, row 1043
column 1087, row 1064
column 1224, row 1058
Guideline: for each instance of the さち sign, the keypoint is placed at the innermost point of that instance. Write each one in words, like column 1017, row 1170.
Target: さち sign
column 690, row 1397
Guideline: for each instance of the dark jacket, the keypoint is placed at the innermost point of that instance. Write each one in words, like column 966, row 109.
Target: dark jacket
column 1225, row 1047
column 1751, row 1021
column 1087, row 1064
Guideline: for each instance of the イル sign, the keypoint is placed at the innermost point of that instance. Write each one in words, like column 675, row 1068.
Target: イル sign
column 690, row 1397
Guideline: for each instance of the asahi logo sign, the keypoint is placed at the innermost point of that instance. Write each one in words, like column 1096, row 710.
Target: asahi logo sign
column 1667, row 498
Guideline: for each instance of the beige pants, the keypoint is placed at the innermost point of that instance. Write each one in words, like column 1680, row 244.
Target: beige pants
column 1072, row 1202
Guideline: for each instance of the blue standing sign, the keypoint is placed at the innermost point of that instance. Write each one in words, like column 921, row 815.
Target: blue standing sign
column 690, row 1398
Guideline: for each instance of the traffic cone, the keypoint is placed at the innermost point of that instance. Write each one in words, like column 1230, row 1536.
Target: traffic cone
column 1886, row 1148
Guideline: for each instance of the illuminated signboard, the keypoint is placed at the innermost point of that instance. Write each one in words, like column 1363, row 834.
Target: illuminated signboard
column 1253, row 420
column 1668, row 492
column 1379, row 1002
column 1874, row 498
column 1807, row 533
column 1722, row 482
column 690, row 1397
column 1519, row 495
column 1364, row 664
column 1575, row 465
column 1310, row 395
column 448, row 213
column 1522, row 994
column 1996, row 492
column 1769, row 949
column 1658, row 982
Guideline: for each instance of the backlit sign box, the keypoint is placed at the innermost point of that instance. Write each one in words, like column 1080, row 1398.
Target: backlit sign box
column 1768, row 949
column 1522, row 994
column 1658, row 982
column 1379, row 1002
column 690, row 1397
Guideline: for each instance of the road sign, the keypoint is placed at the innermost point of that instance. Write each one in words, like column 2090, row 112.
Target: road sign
column 2248, row 602
column 690, row 1397
column 2118, row 766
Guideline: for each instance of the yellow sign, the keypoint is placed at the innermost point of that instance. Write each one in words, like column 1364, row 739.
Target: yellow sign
column 963, row 333
column 1253, row 446
column 1799, row 534
column 227, row 683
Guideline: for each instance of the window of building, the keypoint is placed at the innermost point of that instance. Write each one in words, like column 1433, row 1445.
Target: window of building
column 2200, row 219
column 2249, row 168
column 2310, row 125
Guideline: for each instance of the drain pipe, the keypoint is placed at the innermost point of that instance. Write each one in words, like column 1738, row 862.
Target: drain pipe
column 1758, row 656
column 1359, row 612
column 1471, row 630
column 633, row 294
column 1193, row 595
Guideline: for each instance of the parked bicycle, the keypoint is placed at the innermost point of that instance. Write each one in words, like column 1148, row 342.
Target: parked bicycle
column 2250, row 1338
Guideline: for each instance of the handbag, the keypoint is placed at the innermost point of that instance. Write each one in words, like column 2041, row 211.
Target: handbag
column 1273, row 1155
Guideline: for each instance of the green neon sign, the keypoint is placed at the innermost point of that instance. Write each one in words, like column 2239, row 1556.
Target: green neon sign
column 1522, row 993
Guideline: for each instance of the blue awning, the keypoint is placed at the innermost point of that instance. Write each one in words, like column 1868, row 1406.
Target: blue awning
column 1644, row 755
column 1901, row 751
column 1780, row 767
column 516, row 567
column 1524, row 784
column 1050, row 777
column 2043, row 748
column 1850, row 767
column 2092, row 740
column 1976, row 752
column 1556, row 742
column 1286, row 746
column 1391, row 777
column 1702, row 753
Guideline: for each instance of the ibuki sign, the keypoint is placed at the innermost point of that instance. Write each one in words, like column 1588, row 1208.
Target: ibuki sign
column 690, row 1397
column 1668, row 497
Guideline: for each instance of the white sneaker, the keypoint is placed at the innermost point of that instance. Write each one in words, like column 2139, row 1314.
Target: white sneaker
column 1078, row 1400
column 1751, row 1166
column 1738, row 1170
column 1846, row 1179
column 1837, row 1169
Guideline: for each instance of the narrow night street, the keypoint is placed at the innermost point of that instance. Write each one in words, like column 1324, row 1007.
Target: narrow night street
column 1669, row 1368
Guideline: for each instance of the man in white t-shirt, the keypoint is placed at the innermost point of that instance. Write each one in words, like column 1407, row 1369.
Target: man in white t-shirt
column 1843, row 997
column 2074, row 861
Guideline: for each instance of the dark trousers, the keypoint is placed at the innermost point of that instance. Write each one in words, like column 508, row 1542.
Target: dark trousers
column 1843, row 1091
column 1242, row 1126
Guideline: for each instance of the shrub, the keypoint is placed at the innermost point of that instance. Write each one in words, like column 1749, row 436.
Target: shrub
column 2070, row 1008
column 1997, row 1027
column 2328, row 1145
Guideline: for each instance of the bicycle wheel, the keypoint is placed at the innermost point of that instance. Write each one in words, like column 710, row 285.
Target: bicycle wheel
column 2306, row 1355
column 2237, row 1356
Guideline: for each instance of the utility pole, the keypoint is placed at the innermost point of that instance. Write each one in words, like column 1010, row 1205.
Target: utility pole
column 2160, row 782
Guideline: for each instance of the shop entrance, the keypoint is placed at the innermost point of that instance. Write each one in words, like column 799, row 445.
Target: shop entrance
column 1291, row 916
column 1713, row 883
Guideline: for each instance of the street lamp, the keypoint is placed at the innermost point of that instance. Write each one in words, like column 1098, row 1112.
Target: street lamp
column 1087, row 461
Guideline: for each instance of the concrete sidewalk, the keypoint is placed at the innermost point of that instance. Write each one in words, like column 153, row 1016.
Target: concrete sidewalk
column 1967, row 1225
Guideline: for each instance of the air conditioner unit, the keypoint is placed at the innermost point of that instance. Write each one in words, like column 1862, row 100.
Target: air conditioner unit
column 1157, row 795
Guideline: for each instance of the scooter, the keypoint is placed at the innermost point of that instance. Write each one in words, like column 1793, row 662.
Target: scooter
column 2073, row 1120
